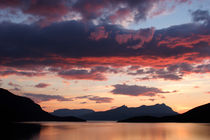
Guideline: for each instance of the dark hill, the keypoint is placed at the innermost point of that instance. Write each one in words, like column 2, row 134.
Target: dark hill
column 72, row 112
column 199, row 114
column 16, row 108
column 124, row 112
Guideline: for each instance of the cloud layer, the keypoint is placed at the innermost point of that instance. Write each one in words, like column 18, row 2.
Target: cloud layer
column 76, row 50
column 98, row 11
column 45, row 97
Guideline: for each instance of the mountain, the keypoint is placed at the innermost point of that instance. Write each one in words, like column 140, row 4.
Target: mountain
column 16, row 108
column 72, row 112
column 124, row 112
column 199, row 114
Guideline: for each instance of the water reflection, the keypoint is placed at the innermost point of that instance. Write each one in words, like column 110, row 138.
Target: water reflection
column 120, row 131
column 19, row 131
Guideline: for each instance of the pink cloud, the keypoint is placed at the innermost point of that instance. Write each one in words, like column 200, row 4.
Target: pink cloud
column 100, row 33
column 42, row 85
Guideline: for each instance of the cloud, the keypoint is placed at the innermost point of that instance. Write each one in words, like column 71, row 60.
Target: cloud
column 21, row 73
column 42, row 85
column 58, row 47
column 173, row 77
column 150, row 99
column 101, row 99
column 171, row 72
column 81, row 75
column 94, row 73
column 69, row 50
column 97, row 99
column 0, row 82
column 115, row 11
column 45, row 97
column 134, row 90
column 13, row 84
column 100, row 33
column 83, row 102
column 83, row 97
column 201, row 16
column 152, row 73
column 46, row 11
column 16, row 87
column 143, row 35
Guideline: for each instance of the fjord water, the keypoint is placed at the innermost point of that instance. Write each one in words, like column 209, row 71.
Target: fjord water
column 122, row 131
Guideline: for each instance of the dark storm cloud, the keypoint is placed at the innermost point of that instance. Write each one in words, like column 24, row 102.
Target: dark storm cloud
column 134, row 90
column 63, row 40
column 65, row 45
column 46, row 97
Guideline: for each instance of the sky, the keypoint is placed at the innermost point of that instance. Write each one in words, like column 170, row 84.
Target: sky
column 102, row 54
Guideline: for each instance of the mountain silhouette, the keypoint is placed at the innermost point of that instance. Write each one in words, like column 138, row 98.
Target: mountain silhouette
column 124, row 112
column 17, row 108
column 198, row 114
column 72, row 112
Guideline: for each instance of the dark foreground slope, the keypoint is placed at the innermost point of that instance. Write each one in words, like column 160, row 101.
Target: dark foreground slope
column 15, row 108
column 200, row 114
column 123, row 112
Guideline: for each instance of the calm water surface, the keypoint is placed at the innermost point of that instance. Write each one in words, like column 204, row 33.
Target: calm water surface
column 122, row 131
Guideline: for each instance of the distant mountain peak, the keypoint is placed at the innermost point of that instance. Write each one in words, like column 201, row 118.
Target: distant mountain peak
column 123, row 106
column 122, row 112
column 163, row 104
column 198, row 114
column 71, row 112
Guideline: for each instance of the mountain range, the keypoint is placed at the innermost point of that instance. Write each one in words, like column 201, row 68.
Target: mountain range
column 17, row 108
column 72, row 112
column 200, row 114
column 119, row 113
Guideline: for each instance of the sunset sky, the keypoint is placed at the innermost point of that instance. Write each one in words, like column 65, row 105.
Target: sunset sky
column 101, row 54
